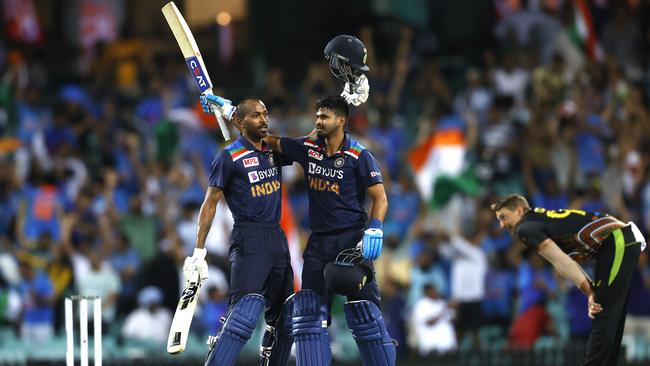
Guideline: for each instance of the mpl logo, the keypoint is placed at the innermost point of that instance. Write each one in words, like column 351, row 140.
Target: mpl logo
column 253, row 177
column 375, row 174
column 199, row 76
column 314, row 154
column 251, row 162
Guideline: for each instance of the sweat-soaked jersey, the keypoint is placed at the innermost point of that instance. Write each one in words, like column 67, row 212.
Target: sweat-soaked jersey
column 578, row 233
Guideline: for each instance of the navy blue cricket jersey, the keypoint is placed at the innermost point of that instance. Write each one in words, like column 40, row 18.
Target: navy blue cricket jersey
column 251, row 181
column 336, row 184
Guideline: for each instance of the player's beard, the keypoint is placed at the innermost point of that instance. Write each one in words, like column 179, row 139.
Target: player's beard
column 323, row 131
column 256, row 133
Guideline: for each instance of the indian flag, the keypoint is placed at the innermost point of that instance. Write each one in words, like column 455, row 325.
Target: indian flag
column 288, row 224
column 583, row 31
column 442, row 154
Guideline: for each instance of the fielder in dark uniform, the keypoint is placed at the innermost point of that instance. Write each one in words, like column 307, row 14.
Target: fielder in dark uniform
column 249, row 176
column 339, row 171
column 564, row 236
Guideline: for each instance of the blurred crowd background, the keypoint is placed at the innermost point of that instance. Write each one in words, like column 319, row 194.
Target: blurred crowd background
column 104, row 157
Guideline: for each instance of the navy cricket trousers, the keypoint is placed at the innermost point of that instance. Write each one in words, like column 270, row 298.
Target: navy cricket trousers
column 323, row 248
column 260, row 263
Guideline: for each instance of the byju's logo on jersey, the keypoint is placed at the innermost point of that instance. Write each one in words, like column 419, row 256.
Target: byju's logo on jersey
column 199, row 76
column 251, row 162
column 258, row 175
column 314, row 154
column 253, row 177
column 324, row 172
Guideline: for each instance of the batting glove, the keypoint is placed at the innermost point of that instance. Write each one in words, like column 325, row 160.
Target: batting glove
column 372, row 240
column 196, row 264
column 359, row 91
column 211, row 103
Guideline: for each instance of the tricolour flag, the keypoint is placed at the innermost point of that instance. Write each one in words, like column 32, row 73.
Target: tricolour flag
column 583, row 32
column 443, row 154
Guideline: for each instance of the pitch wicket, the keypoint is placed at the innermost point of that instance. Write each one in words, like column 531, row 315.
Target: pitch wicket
column 83, row 329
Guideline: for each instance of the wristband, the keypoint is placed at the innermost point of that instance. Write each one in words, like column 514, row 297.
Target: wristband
column 374, row 224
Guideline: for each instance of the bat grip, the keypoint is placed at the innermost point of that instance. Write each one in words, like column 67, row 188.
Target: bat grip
column 222, row 126
column 220, row 120
column 195, row 277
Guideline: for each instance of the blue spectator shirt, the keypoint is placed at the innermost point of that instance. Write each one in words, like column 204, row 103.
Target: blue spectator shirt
column 251, row 181
column 39, row 286
column 336, row 184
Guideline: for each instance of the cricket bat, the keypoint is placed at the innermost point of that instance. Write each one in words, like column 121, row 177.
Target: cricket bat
column 180, row 328
column 192, row 55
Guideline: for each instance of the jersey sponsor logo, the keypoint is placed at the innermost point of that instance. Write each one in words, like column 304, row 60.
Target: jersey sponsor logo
column 258, row 175
column 266, row 188
column 271, row 159
column 375, row 174
column 253, row 177
column 325, row 172
column 249, row 162
column 314, row 154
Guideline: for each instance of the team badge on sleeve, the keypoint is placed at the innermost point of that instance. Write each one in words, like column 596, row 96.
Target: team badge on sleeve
column 339, row 162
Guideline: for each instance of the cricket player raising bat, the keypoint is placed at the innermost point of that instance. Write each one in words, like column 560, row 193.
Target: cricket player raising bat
column 249, row 177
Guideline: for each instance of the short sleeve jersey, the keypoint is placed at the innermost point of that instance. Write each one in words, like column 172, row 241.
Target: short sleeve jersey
column 251, row 181
column 578, row 233
column 336, row 184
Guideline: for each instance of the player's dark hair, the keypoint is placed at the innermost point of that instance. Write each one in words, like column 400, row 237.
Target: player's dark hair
column 244, row 106
column 511, row 202
column 336, row 104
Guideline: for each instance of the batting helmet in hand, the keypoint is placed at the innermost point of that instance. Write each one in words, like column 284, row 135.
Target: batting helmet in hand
column 349, row 273
column 347, row 57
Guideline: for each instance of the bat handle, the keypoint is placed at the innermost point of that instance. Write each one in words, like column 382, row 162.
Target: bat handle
column 222, row 123
column 222, row 126
column 195, row 277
